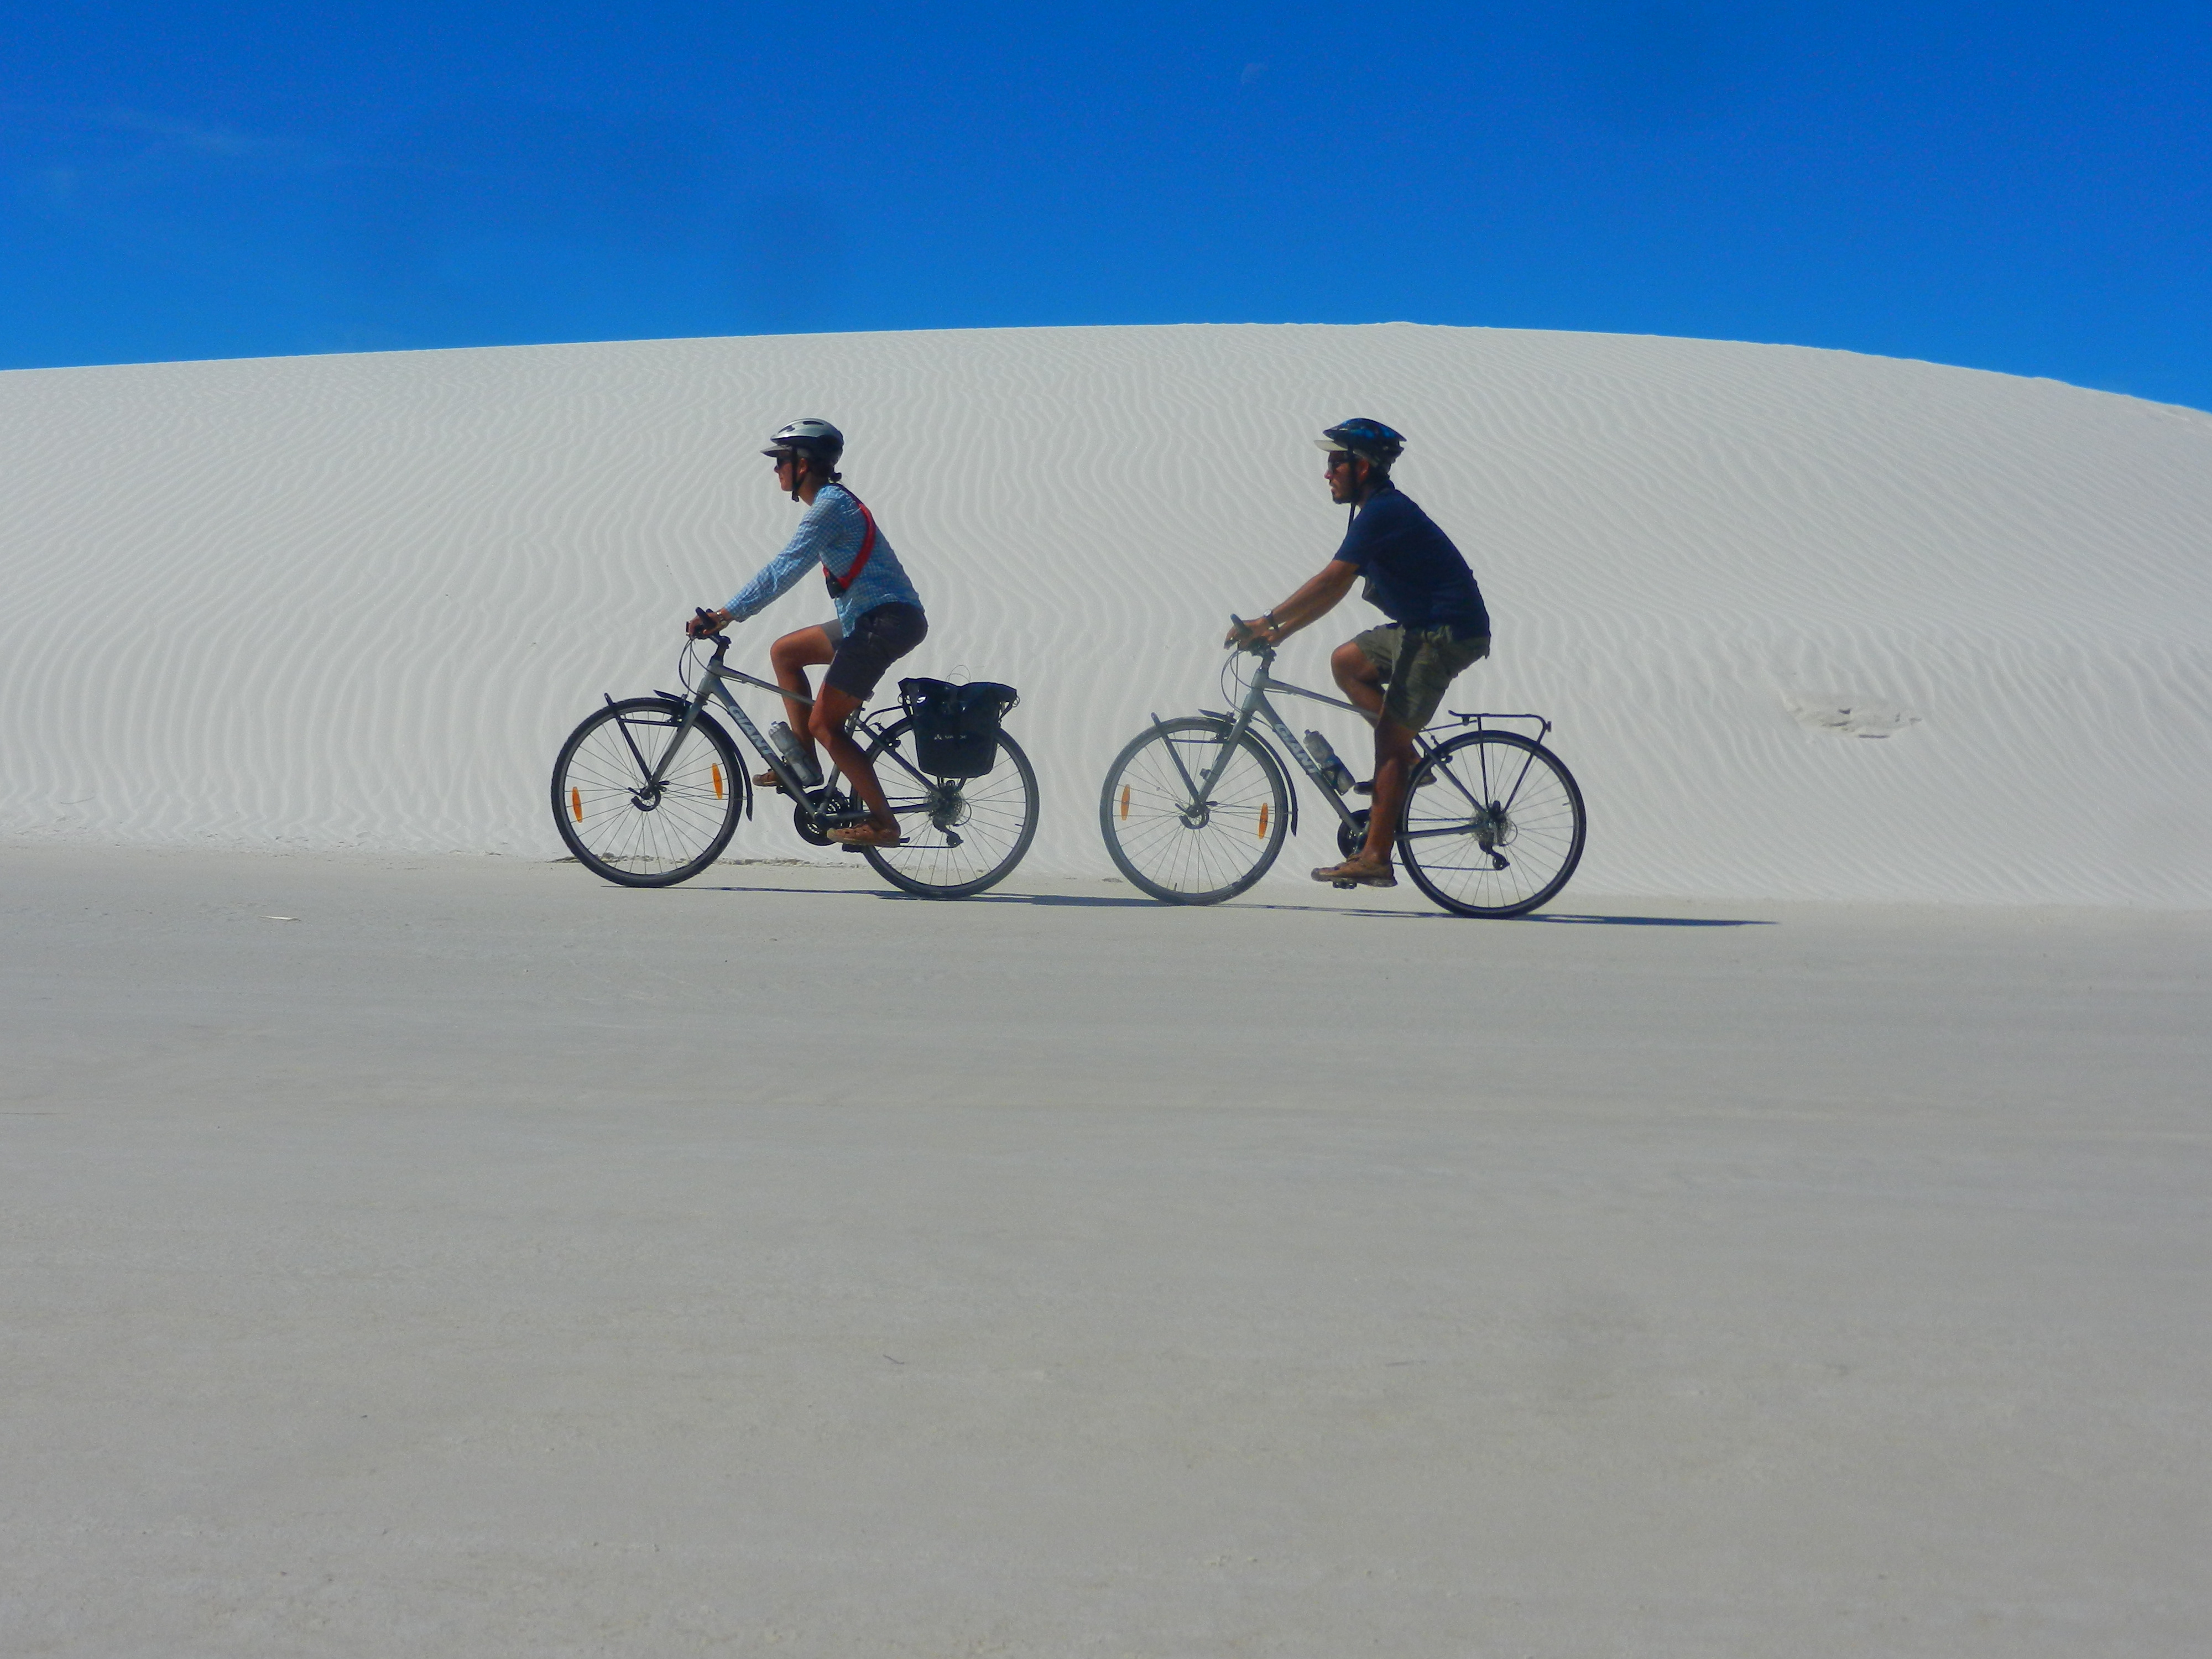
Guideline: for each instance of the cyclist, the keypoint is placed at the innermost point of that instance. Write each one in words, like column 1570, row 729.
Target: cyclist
column 878, row 620
column 1396, row 674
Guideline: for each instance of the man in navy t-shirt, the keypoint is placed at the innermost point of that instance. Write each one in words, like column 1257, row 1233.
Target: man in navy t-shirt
column 1396, row 674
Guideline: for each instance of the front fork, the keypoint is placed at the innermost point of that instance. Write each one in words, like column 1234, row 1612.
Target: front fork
column 1201, row 789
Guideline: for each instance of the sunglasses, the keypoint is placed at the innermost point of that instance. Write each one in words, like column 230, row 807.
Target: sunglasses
column 1340, row 458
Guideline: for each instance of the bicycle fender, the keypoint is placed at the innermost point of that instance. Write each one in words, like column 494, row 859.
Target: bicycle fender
column 1290, row 783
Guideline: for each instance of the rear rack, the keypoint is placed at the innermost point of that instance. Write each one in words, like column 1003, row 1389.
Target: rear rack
column 1543, row 724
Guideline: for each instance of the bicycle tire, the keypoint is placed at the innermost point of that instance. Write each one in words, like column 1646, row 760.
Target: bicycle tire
column 962, row 835
column 1151, row 834
column 1474, row 799
column 603, row 815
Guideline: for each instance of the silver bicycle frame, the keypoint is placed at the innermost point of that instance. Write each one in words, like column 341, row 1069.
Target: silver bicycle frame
column 1256, row 706
column 716, row 675
column 713, row 686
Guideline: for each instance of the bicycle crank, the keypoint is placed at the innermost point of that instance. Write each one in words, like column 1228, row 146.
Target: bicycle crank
column 823, row 811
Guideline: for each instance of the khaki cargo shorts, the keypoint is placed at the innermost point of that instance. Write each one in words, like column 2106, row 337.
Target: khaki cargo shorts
column 1417, row 664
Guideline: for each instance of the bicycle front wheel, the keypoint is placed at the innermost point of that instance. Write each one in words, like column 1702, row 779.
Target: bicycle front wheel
column 640, row 835
column 1171, row 847
column 1492, row 824
column 961, row 834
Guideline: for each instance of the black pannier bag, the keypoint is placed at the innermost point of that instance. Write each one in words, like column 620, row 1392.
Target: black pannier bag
column 956, row 727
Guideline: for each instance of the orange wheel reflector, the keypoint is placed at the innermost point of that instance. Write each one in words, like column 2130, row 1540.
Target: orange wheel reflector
column 576, row 803
column 1265, row 807
column 718, row 783
column 1125, row 803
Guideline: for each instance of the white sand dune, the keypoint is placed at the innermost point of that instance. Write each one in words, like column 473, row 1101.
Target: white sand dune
column 1812, row 625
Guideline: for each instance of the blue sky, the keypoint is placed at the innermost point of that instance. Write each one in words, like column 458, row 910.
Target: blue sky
column 2019, row 188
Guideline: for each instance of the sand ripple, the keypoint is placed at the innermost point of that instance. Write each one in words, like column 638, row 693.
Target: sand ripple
column 356, row 601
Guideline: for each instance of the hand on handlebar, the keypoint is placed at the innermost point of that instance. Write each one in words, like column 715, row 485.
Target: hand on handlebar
column 1245, row 635
column 705, row 623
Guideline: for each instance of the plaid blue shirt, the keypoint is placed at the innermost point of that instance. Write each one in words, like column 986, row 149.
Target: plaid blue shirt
column 829, row 536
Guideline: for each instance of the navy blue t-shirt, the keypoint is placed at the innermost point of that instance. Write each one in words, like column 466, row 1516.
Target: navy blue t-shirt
column 1414, row 574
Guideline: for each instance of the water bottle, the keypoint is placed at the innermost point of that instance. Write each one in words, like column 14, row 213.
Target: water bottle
column 1334, row 772
column 788, row 749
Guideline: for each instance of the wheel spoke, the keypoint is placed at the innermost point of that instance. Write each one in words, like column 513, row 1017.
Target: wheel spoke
column 1487, row 846
column 993, row 817
column 1176, row 849
column 627, row 833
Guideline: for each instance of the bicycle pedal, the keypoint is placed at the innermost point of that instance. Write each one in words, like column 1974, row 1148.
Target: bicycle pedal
column 1344, row 886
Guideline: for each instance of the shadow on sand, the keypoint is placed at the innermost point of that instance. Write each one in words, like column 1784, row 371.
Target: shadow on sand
column 1653, row 921
column 1112, row 902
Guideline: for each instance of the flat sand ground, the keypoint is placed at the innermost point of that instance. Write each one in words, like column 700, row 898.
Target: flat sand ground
column 490, row 1262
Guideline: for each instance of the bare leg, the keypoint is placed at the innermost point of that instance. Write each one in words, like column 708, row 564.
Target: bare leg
column 831, row 710
column 1361, row 681
column 791, row 657
column 1357, row 677
column 1393, row 769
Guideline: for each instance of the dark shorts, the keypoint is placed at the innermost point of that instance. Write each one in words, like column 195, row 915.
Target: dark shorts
column 879, row 638
column 1417, row 665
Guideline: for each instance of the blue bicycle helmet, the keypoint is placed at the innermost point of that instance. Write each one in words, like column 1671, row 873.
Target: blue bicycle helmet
column 1372, row 440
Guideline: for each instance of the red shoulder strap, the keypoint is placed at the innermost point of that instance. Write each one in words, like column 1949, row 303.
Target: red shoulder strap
column 867, row 546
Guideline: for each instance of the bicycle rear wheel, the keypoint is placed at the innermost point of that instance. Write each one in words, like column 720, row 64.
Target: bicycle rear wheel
column 619, row 828
column 1492, row 825
column 1179, row 852
column 962, row 835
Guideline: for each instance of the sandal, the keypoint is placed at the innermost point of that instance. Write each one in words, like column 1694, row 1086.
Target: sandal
column 1357, row 872
column 853, row 837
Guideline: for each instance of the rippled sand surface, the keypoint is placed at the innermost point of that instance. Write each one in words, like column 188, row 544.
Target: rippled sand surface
column 1811, row 625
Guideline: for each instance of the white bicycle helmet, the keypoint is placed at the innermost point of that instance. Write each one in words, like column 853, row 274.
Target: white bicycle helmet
column 809, row 437
column 818, row 441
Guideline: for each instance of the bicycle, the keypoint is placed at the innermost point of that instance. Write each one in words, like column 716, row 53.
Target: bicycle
column 647, row 791
column 1194, row 810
